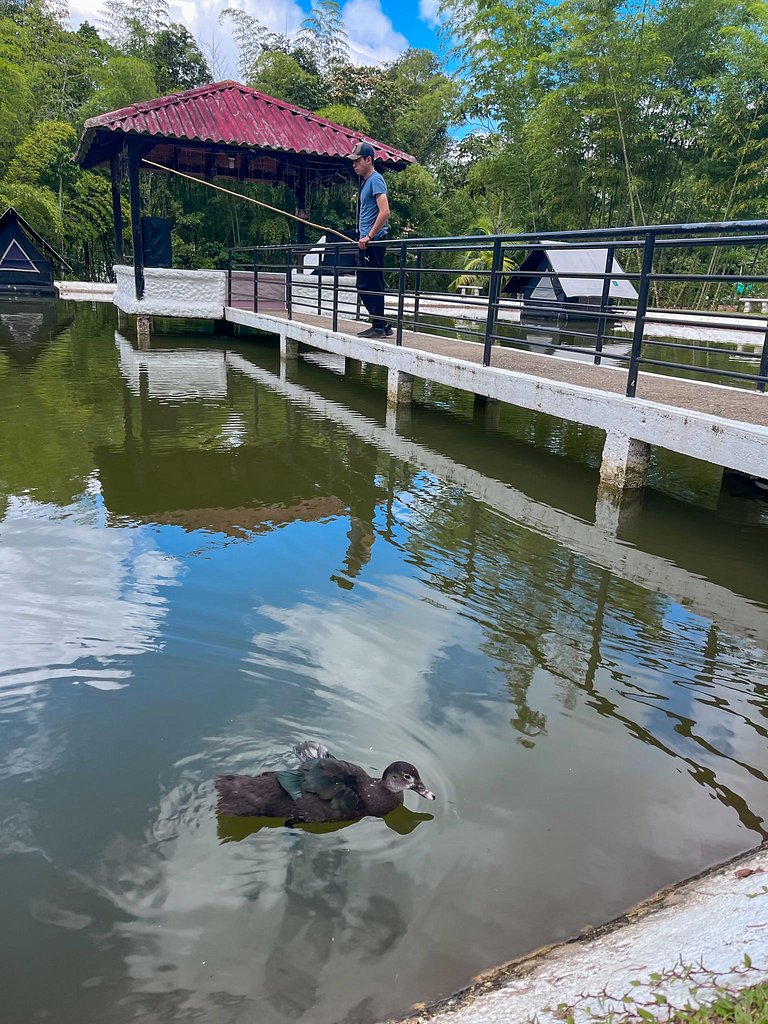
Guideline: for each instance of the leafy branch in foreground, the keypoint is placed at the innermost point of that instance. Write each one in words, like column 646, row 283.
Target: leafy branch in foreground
column 681, row 994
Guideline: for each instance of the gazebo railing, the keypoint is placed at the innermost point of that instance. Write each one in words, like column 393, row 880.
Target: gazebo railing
column 681, row 278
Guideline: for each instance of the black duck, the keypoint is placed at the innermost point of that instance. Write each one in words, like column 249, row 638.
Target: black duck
column 322, row 788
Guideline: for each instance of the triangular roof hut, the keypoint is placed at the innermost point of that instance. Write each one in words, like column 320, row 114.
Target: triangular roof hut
column 551, row 283
column 26, row 259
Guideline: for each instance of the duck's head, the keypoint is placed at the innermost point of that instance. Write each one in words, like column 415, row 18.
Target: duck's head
column 401, row 775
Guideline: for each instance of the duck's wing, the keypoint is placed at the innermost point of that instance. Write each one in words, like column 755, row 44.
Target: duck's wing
column 312, row 750
column 334, row 782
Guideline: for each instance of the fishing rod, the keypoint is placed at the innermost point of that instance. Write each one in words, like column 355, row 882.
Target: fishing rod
column 239, row 195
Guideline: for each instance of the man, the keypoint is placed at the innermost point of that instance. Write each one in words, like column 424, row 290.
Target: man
column 372, row 227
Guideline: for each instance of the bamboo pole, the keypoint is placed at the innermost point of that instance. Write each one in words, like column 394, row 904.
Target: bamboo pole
column 239, row 195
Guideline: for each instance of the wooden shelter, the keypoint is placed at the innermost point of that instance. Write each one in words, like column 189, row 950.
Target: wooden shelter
column 26, row 259
column 556, row 279
column 224, row 130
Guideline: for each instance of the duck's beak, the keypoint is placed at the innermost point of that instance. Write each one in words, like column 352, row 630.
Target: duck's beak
column 422, row 790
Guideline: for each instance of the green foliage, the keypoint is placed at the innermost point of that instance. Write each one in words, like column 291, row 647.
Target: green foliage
column 347, row 116
column 36, row 204
column 119, row 82
column 176, row 61
column 282, row 76
column 604, row 113
column 44, row 155
column 16, row 104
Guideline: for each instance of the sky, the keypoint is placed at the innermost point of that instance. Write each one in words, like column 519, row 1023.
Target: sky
column 378, row 30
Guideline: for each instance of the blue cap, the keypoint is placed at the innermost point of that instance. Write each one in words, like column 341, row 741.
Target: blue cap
column 362, row 149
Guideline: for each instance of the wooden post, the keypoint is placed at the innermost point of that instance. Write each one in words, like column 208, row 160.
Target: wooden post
column 134, row 159
column 115, row 166
column 301, row 205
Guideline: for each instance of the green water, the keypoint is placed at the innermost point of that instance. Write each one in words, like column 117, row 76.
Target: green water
column 203, row 561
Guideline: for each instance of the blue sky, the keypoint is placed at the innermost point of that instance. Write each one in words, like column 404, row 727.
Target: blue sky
column 378, row 30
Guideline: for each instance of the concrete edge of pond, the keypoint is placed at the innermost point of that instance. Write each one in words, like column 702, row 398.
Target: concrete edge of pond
column 679, row 945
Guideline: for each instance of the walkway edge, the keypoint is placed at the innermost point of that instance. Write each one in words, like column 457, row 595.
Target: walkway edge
column 736, row 444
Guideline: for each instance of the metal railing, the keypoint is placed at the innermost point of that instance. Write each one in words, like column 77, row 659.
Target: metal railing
column 670, row 279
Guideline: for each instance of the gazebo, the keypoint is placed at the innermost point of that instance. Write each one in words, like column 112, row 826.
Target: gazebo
column 224, row 130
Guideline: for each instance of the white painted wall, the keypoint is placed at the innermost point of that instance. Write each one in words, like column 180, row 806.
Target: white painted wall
column 183, row 293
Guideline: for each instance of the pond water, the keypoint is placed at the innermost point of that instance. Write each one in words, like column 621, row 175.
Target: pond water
column 549, row 336
column 203, row 562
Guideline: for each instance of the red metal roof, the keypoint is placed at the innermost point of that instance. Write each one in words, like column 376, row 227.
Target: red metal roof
column 230, row 114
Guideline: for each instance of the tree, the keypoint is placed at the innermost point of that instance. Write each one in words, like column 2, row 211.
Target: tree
column 280, row 75
column 121, row 81
column 347, row 116
column 324, row 36
column 132, row 25
column 176, row 60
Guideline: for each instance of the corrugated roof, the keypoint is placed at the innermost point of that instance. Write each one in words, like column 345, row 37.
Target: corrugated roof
column 230, row 114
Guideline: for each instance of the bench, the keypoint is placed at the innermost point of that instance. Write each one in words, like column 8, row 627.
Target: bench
column 760, row 305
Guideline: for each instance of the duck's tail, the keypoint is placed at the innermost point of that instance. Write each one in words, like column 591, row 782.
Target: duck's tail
column 311, row 750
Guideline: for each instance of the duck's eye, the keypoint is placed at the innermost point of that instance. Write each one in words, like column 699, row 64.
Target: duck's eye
column 408, row 778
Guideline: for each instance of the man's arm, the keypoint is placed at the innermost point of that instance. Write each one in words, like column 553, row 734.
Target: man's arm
column 383, row 204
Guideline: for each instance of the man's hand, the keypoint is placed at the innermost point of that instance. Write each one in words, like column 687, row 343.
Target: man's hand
column 363, row 242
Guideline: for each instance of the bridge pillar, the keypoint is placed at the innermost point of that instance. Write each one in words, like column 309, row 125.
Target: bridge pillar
column 486, row 411
column 289, row 349
column 289, row 355
column 143, row 330
column 399, row 387
column 625, row 463
column 353, row 368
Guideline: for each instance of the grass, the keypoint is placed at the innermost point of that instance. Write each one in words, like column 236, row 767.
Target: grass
column 682, row 994
column 750, row 1006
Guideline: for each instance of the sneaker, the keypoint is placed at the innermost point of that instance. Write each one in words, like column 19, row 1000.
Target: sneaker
column 377, row 332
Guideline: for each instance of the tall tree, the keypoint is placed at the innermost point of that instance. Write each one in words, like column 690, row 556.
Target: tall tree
column 324, row 36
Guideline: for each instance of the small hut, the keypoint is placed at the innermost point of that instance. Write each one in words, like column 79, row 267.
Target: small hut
column 26, row 259
column 222, row 130
column 550, row 282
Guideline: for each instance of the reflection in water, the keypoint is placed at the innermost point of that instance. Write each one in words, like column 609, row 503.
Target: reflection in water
column 234, row 829
column 234, row 560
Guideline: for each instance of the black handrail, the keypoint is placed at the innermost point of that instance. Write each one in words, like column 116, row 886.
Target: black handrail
column 425, row 268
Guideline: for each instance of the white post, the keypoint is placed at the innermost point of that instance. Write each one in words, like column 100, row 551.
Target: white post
column 625, row 463
column 399, row 387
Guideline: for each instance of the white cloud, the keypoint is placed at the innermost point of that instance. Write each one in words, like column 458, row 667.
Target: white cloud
column 372, row 37
column 78, row 598
column 429, row 11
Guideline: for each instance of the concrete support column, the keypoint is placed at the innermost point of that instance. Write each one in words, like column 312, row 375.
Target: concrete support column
column 487, row 412
column 353, row 368
column 289, row 349
column 399, row 387
column 289, row 355
column 143, row 330
column 625, row 463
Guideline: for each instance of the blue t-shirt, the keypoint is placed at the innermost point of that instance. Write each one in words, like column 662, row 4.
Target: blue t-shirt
column 374, row 185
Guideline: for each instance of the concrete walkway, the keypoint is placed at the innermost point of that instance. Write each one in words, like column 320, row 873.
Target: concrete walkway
column 711, row 399
column 673, row 949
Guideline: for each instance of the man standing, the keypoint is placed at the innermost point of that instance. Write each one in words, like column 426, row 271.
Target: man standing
column 372, row 227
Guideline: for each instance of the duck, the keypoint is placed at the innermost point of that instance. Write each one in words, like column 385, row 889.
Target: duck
column 322, row 789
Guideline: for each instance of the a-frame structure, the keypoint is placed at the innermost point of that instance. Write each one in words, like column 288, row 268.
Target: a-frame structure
column 26, row 259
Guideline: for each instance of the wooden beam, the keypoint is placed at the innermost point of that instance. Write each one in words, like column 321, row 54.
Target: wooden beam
column 115, row 166
column 134, row 159
column 301, row 203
